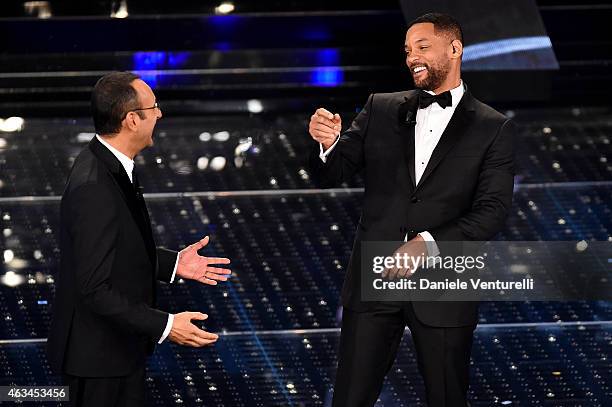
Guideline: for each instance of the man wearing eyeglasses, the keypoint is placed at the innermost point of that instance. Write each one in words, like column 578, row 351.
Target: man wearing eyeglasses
column 105, row 322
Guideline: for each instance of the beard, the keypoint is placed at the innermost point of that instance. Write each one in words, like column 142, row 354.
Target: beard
column 436, row 75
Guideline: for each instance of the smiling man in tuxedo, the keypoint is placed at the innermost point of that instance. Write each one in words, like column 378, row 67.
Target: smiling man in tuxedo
column 105, row 322
column 438, row 166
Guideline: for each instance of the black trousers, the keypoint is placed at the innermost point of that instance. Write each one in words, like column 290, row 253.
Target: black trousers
column 368, row 346
column 121, row 391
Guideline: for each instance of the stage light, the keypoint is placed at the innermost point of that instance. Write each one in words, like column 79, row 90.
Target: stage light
column 243, row 146
column 254, row 106
column 582, row 245
column 221, row 136
column 202, row 163
column 217, row 163
column 39, row 9
column 119, row 9
column 224, row 8
column 327, row 76
column 8, row 256
column 12, row 279
column 11, row 124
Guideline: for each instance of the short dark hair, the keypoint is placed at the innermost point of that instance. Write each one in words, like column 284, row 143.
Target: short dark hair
column 112, row 98
column 442, row 22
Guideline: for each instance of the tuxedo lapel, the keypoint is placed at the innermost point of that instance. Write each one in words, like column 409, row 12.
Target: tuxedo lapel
column 406, row 121
column 135, row 201
column 148, row 233
column 456, row 127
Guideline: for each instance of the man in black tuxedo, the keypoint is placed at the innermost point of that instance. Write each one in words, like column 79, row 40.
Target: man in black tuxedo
column 105, row 322
column 438, row 166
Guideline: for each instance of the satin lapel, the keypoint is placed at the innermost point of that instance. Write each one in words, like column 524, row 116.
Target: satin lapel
column 128, row 193
column 454, row 130
column 408, row 107
column 147, row 224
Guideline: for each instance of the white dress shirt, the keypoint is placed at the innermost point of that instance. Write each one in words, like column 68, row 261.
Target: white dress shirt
column 126, row 161
column 128, row 165
column 430, row 124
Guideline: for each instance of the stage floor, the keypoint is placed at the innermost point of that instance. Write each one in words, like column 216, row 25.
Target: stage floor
column 243, row 180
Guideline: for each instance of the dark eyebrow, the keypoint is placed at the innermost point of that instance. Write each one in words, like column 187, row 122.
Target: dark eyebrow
column 419, row 40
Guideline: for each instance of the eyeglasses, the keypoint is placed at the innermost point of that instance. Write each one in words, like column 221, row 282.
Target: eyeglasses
column 155, row 106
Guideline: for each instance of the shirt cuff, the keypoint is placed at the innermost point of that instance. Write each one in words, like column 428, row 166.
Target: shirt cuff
column 175, row 267
column 168, row 328
column 432, row 247
column 323, row 154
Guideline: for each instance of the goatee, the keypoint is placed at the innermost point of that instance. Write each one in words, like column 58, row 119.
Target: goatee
column 435, row 78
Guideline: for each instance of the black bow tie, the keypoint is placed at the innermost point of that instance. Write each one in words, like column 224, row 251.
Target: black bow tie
column 443, row 99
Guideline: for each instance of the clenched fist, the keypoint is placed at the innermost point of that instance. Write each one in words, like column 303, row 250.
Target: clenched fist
column 325, row 127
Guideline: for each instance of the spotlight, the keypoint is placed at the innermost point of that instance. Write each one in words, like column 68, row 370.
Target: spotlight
column 119, row 9
column 221, row 136
column 11, row 124
column 243, row 146
column 217, row 163
column 254, row 106
column 8, row 256
column 224, row 8
column 582, row 245
column 12, row 279
column 202, row 163
column 39, row 9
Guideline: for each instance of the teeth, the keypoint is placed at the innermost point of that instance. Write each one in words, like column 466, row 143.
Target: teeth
column 419, row 69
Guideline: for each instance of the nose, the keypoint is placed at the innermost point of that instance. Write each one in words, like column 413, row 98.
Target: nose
column 412, row 59
column 159, row 113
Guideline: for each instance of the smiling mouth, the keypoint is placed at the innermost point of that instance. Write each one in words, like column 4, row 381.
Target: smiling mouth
column 418, row 71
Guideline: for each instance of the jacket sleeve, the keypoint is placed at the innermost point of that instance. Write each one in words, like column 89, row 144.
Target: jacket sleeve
column 347, row 157
column 166, row 260
column 94, row 227
column 493, row 197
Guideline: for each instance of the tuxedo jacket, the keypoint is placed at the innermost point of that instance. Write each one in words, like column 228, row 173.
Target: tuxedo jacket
column 464, row 194
column 104, row 320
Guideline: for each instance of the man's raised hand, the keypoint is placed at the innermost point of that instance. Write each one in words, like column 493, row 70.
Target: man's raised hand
column 325, row 127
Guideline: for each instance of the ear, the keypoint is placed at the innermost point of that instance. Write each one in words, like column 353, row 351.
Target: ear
column 457, row 49
column 130, row 121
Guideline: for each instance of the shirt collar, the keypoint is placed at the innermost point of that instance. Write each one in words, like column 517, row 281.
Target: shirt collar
column 456, row 94
column 126, row 162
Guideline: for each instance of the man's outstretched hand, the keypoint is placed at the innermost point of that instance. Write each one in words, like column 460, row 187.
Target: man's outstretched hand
column 185, row 333
column 192, row 266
